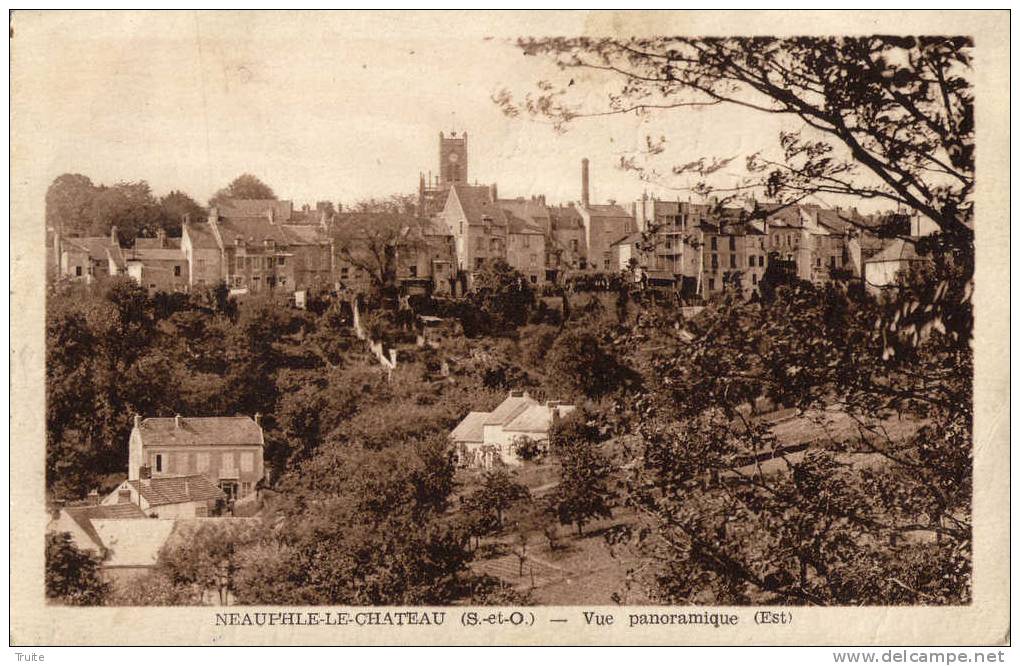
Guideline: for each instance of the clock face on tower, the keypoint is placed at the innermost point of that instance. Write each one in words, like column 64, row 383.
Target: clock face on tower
column 453, row 158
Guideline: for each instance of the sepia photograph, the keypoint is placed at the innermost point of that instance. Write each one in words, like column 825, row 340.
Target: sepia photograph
column 503, row 310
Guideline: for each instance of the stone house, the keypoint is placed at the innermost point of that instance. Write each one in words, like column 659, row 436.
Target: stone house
column 158, row 264
column 227, row 450
column 604, row 224
column 484, row 439
column 87, row 259
column 78, row 522
column 189, row 496
column 882, row 270
column 478, row 226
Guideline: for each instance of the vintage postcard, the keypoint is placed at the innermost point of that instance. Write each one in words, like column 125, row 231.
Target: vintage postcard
column 520, row 328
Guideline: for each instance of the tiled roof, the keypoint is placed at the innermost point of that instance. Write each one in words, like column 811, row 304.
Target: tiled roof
column 116, row 255
column 154, row 254
column 234, row 208
column 630, row 239
column 564, row 218
column 607, row 210
column 477, row 204
column 532, row 211
column 897, row 250
column 536, row 418
column 201, row 431
column 471, row 428
column 95, row 246
column 304, row 234
column 201, row 236
column 250, row 229
column 164, row 490
column 509, row 408
column 155, row 244
column 133, row 543
column 84, row 515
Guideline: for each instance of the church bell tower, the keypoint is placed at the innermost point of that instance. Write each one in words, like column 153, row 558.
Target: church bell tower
column 452, row 159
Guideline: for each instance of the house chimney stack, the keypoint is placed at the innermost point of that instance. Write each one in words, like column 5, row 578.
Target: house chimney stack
column 113, row 235
column 93, row 498
column 584, row 183
column 258, row 419
column 177, row 421
column 138, row 420
column 161, row 237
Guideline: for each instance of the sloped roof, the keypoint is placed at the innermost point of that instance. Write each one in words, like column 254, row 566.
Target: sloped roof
column 304, row 234
column 133, row 543
column 629, row 239
column 201, row 431
column 201, row 236
column 476, row 202
column 519, row 226
column 509, row 408
column 532, row 211
column 84, row 515
column 164, row 490
column 169, row 243
column 234, row 208
column 470, row 429
column 897, row 250
column 154, row 254
column 565, row 218
column 607, row 210
column 536, row 418
column 116, row 255
column 782, row 215
column 95, row 246
column 255, row 229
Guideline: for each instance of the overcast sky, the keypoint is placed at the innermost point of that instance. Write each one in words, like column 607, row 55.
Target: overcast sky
column 321, row 106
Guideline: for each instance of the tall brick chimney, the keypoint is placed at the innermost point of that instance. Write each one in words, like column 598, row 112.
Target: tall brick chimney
column 585, row 201
column 113, row 235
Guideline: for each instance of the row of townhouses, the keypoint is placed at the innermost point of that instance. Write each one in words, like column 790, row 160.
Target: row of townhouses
column 699, row 249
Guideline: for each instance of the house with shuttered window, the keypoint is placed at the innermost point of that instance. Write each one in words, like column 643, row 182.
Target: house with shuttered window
column 226, row 450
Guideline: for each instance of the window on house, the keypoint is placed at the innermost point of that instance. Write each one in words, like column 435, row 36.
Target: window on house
column 526, row 241
column 479, row 262
column 157, row 462
column 711, row 284
column 77, row 271
column 715, row 243
column 281, row 261
column 754, row 278
column 733, row 261
column 344, row 272
column 818, row 261
column 480, row 243
column 494, row 245
column 534, row 279
column 247, row 462
column 761, row 260
column 200, row 264
column 177, row 271
column 283, row 282
column 533, row 259
column 715, row 260
column 227, row 463
column 750, row 261
column 255, row 283
column 238, row 281
column 271, row 282
column 832, row 262
column 201, row 462
column 245, row 488
column 733, row 244
column 413, row 270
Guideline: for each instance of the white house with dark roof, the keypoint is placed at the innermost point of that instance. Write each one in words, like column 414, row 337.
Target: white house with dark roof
column 483, row 439
column 192, row 496
column 79, row 522
column 226, row 450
